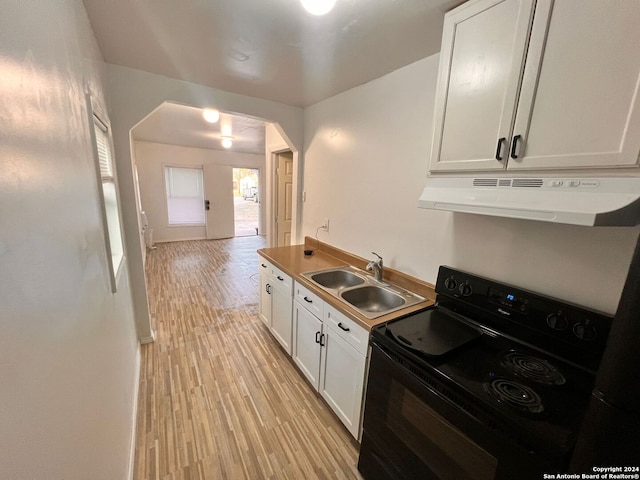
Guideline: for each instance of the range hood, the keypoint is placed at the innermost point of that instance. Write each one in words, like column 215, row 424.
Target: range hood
column 591, row 201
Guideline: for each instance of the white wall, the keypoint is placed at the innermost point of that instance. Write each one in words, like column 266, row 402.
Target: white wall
column 366, row 155
column 133, row 95
column 68, row 348
column 151, row 159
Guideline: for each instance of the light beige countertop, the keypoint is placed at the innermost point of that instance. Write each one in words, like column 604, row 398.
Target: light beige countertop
column 292, row 261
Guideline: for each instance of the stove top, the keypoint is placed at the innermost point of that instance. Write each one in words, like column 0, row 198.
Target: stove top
column 501, row 355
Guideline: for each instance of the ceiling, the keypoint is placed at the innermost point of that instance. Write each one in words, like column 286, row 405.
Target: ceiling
column 270, row 49
column 175, row 124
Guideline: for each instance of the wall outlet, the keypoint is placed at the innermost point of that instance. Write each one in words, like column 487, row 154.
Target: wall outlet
column 325, row 225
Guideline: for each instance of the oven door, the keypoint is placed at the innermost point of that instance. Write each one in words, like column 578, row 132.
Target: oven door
column 411, row 431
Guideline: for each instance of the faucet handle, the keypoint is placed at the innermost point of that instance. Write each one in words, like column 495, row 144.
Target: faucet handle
column 379, row 257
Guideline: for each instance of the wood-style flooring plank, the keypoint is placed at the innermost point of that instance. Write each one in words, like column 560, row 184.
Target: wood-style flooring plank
column 218, row 398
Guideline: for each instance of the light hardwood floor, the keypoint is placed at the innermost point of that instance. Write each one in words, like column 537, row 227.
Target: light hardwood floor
column 218, row 397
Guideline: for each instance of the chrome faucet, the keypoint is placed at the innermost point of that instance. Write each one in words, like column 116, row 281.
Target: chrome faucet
column 376, row 266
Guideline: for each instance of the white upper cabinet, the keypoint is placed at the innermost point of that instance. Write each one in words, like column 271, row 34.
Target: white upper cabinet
column 483, row 50
column 579, row 103
column 527, row 84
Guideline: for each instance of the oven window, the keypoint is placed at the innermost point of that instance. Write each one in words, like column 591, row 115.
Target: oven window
column 445, row 450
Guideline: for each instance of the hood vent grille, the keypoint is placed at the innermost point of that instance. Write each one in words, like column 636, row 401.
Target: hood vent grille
column 527, row 182
column 485, row 182
column 508, row 182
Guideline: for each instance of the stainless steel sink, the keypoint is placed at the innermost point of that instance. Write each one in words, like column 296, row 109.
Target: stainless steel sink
column 362, row 292
column 337, row 279
column 373, row 299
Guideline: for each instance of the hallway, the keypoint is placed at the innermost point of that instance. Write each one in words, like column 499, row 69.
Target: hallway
column 218, row 397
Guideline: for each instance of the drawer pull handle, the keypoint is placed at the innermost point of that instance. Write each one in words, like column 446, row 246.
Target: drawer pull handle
column 317, row 337
column 321, row 339
column 280, row 278
column 307, row 300
column 263, row 265
column 346, row 329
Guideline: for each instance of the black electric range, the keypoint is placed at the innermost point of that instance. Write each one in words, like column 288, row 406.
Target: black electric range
column 491, row 383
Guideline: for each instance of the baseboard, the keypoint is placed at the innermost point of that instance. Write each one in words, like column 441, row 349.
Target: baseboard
column 149, row 339
column 134, row 416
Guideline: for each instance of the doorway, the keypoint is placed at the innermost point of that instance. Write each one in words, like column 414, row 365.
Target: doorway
column 246, row 201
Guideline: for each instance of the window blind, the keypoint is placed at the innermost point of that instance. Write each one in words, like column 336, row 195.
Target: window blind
column 104, row 152
column 185, row 195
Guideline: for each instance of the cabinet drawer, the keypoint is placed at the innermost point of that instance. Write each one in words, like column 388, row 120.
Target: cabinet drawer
column 309, row 300
column 350, row 331
column 281, row 280
column 264, row 266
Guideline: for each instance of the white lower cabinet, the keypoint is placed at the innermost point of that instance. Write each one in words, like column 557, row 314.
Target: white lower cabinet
column 341, row 380
column 331, row 352
column 276, row 302
column 264, row 268
column 307, row 331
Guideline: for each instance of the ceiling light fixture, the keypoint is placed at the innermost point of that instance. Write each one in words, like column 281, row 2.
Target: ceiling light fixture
column 318, row 7
column 211, row 115
column 227, row 142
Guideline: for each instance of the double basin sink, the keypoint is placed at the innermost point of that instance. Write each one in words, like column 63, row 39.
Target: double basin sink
column 363, row 292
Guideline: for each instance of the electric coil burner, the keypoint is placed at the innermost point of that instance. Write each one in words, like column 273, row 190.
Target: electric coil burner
column 515, row 395
column 491, row 383
column 531, row 367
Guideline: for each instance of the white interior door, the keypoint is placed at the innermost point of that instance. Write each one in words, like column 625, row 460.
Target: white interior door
column 284, row 209
column 218, row 192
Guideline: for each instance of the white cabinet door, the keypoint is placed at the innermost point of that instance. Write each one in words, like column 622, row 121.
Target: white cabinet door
column 281, row 311
column 307, row 329
column 341, row 380
column 483, row 50
column 264, row 269
column 579, row 104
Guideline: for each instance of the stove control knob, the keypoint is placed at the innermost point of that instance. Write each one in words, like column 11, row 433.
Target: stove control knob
column 585, row 331
column 557, row 321
column 465, row 289
column 450, row 284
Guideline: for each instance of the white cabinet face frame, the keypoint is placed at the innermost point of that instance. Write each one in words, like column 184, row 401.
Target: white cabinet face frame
column 481, row 61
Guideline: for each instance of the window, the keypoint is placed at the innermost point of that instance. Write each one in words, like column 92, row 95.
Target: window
column 185, row 196
column 109, row 198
